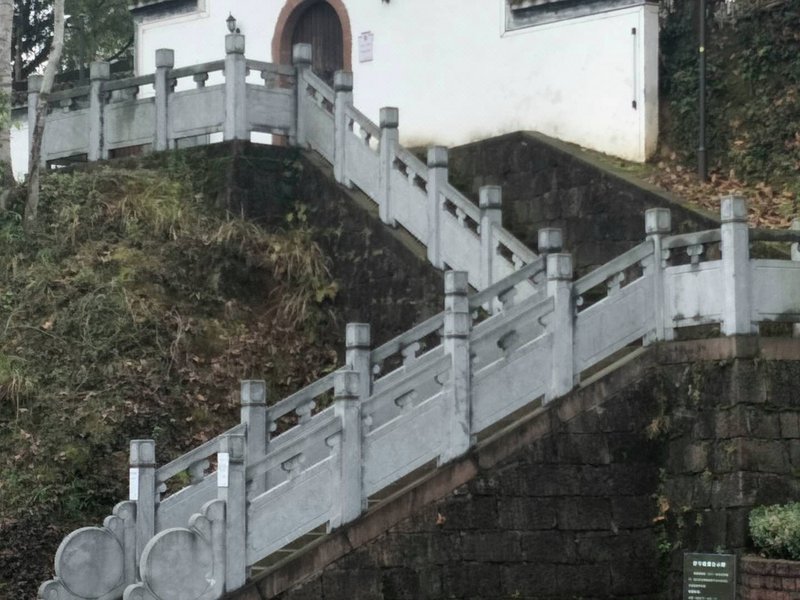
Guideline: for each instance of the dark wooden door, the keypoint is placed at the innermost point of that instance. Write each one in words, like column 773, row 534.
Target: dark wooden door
column 319, row 26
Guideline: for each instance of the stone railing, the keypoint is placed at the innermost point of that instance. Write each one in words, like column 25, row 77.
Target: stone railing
column 422, row 397
column 100, row 120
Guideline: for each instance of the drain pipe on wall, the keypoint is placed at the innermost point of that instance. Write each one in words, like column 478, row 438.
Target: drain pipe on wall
column 702, row 165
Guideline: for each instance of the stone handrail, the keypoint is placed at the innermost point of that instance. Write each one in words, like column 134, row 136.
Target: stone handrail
column 130, row 82
column 201, row 453
column 192, row 70
column 269, row 491
column 302, row 401
column 613, row 267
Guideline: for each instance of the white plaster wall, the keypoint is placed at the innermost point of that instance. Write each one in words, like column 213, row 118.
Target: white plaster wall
column 457, row 76
column 19, row 148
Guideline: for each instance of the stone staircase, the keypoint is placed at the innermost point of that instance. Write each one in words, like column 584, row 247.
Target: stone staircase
column 404, row 411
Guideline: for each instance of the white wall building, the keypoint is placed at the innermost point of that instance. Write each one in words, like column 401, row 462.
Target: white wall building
column 584, row 71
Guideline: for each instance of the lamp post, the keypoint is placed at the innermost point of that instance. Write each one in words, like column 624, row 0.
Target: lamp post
column 702, row 164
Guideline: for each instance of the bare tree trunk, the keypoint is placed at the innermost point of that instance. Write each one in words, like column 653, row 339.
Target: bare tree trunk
column 34, row 164
column 6, row 173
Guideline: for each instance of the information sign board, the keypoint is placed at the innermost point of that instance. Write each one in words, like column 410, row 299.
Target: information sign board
column 709, row 576
column 365, row 46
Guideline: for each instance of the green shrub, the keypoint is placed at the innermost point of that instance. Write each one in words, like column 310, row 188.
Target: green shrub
column 776, row 530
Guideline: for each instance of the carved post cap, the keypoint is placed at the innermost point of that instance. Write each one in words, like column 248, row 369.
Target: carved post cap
column 345, row 385
column 733, row 209
column 143, row 453
column 99, row 70
column 301, row 55
column 490, row 196
column 343, row 81
column 165, row 58
column 657, row 221
column 358, row 335
column 234, row 43
column 234, row 445
column 456, row 283
column 35, row 84
column 253, row 392
column 551, row 239
column 390, row 117
column 559, row 267
column 437, row 157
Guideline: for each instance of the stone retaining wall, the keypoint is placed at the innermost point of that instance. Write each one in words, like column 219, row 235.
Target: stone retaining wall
column 595, row 497
column 547, row 183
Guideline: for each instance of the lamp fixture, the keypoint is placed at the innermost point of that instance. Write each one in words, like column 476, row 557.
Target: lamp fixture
column 231, row 22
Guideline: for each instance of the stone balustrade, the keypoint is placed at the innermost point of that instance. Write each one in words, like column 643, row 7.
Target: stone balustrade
column 158, row 112
column 424, row 396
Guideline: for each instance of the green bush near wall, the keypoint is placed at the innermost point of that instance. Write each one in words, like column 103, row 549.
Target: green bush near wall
column 775, row 530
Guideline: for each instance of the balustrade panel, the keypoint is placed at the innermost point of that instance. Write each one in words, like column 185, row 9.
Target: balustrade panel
column 129, row 123
column 66, row 134
column 197, row 112
column 776, row 290
column 403, row 421
column 614, row 322
column 270, row 110
column 693, row 294
column 508, row 384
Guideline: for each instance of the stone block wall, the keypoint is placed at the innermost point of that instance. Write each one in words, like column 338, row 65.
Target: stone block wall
column 547, row 183
column 732, row 443
column 664, row 455
column 385, row 277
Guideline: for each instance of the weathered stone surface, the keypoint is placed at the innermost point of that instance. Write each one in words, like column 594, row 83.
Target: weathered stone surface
column 548, row 183
column 551, row 521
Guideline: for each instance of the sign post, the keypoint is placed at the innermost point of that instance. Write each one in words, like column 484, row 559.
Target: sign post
column 709, row 576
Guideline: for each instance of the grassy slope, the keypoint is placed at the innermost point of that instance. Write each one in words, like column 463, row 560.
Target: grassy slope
column 132, row 312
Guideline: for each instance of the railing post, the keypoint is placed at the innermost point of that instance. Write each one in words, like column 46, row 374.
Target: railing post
column 34, row 89
column 253, row 400
column 343, row 90
column 550, row 240
column 389, row 121
column 165, row 60
column 231, row 489
column 347, row 406
column 358, row 341
column 559, row 286
column 142, row 484
column 795, row 252
column 98, row 73
column 657, row 224
column 457, row 325
column 437, row 179
column 736, row 314
column 301, row 59
column 235, row 89
column 490, row 201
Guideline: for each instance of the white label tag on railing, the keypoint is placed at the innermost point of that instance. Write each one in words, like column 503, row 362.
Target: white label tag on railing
column 133, row 484
column 223, row 460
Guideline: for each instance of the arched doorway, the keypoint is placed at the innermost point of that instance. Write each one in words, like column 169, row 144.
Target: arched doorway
column 322, row 23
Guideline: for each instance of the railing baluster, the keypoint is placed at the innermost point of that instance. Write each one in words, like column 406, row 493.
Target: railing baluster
column 143, row 490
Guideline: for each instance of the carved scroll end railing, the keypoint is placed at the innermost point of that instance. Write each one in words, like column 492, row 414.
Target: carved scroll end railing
column 96, row 563
column 186, row 563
